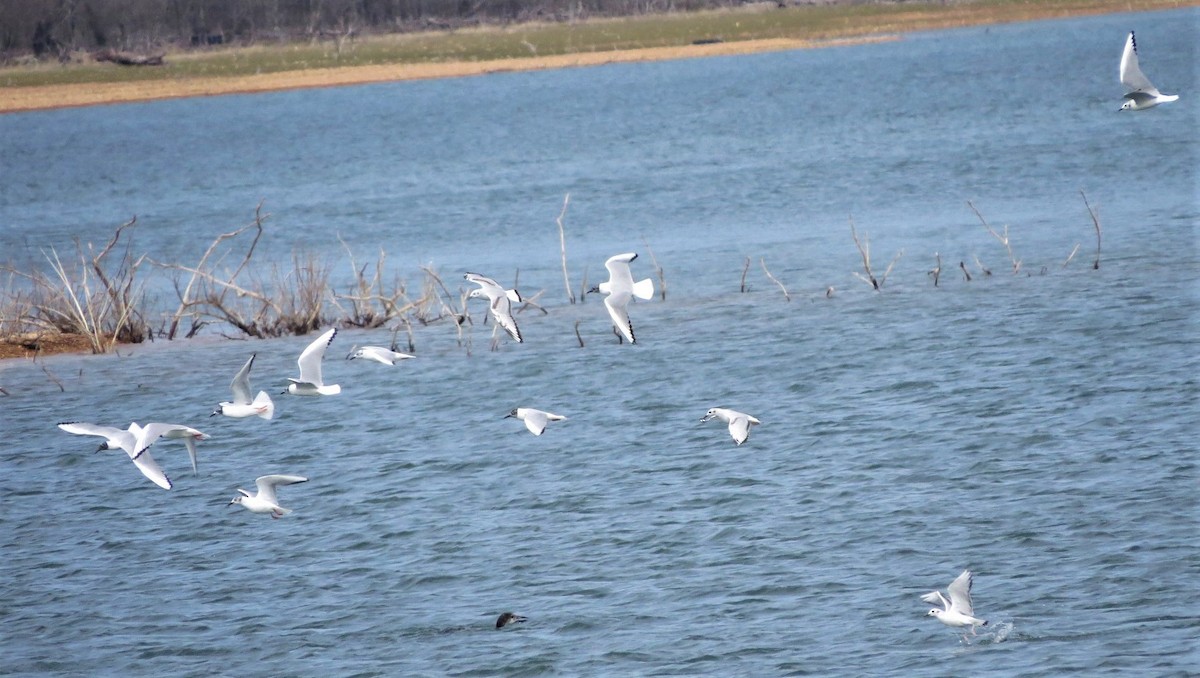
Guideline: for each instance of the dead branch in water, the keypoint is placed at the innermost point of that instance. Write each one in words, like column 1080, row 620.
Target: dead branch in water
column 936, row 272
column 966, row 273
column 763, row 262
column 577, row 335
column 1071, row 255
column 984, row 269
column 562, row 242
column 1016, row 263
column 864, row 249
column 744, row 269
column 1096, row 223
column 662, row 281
column 203, row 276
column 367, row 293
column 532, row 301
column 53, row 378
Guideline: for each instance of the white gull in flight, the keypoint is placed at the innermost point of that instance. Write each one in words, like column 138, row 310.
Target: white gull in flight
column 535, row 420
column 265, row 501
column 620, row 288
column 500, row 302
column 1142, row 93
column 118, row 439
column 739, row 422
column 243, row 405
column 310, row 383
column 957, row 611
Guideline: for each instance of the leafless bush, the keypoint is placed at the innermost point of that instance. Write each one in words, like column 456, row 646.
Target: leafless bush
column 370, row 303
column 288, row 301
column 91, row 296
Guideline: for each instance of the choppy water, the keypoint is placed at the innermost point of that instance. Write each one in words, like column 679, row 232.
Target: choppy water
column 1039, row 429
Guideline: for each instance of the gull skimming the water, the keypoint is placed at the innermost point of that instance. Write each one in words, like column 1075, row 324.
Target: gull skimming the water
column 739, row 422
column 265, row 501
column 310, row 383
column 535, row 420
column 387, row 356
column 118, row 439
column 620, row 288
column 956, row 612
column 243, row 405
column 500, row 302
column 508, row 618
column 1142, row 93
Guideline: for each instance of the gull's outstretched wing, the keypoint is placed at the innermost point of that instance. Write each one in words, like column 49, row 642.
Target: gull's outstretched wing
column 241, row 384
column 960, row 593
column 310, row 359
column 1131, row 74
column 267, row 484
column 615, row 303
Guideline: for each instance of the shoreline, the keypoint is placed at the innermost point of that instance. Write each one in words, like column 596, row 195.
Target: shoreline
column 16, row 99
column 51, row 97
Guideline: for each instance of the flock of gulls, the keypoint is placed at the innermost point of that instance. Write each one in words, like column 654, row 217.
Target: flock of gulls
column 135, row 440
column 620, row 289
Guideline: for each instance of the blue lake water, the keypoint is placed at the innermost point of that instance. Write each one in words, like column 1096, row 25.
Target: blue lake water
column 1038, row 428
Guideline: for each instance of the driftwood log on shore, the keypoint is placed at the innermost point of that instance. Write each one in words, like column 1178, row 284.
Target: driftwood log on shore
column 128, row 59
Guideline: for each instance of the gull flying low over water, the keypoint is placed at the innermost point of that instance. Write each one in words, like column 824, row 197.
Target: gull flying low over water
column 739, row 422
column 152, row 432
column 500, row 302
column 620, row 287
column 264, row 501
column 508, row 618
column 387, row 356
column 1142, row 93
column 118, row 439
column 535, row 420
column 310, row 383
column 242, row 405
column 956, row 612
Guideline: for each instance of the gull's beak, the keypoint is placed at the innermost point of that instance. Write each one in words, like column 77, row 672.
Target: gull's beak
column 510, row 414
column 103, row 446
column 215, row 412
column 594, row 290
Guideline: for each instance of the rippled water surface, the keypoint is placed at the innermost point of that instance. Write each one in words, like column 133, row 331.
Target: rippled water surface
column 1037, row 428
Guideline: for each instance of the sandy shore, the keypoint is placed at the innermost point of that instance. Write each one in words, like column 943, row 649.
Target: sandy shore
column 64, row 96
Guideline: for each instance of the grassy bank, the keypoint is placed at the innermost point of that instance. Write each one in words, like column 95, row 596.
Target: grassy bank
column 518, row 47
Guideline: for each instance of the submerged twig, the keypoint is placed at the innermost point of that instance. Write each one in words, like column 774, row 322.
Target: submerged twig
column 662, row 281
column 1096, row 223
column 763, row 262
column 562, row 242
column 1016, row 263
